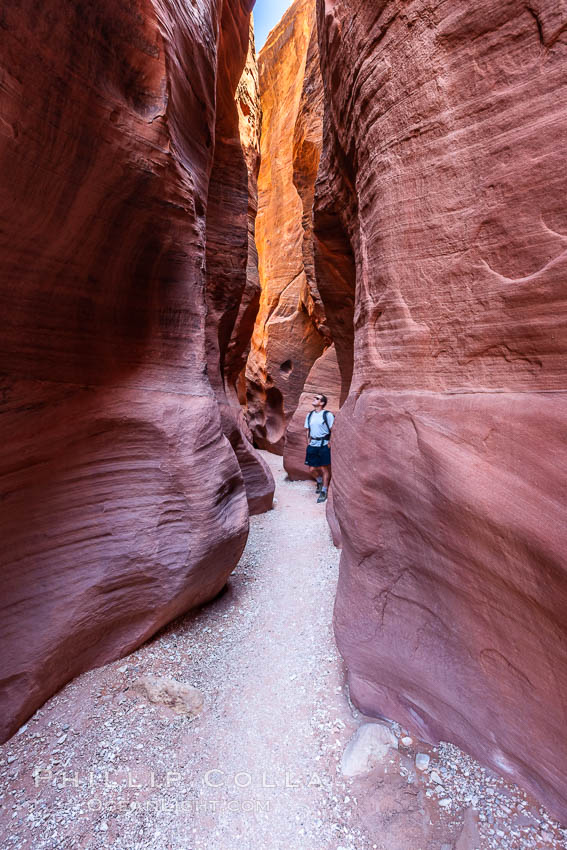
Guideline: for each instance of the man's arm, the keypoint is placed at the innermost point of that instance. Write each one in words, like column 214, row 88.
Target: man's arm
column 307, row 435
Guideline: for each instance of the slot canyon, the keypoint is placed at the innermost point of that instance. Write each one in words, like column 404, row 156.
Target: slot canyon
column 197, row 238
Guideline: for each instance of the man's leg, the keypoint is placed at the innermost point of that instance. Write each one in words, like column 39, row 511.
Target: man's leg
column 326, row 470
column 314, row 471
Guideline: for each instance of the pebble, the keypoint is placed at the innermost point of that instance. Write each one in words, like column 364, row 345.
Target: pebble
column 422, row 761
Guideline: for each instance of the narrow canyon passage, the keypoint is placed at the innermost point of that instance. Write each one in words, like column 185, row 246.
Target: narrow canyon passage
column 200, row 233
column 275, row 715
column 261, row 766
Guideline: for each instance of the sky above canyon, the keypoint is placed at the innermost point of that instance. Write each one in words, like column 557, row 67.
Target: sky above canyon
column 267, row 13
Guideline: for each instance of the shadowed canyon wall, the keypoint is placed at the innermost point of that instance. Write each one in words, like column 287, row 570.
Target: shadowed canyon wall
column 123, row 504
column 290, row 332
column 443, row 178
column 233, row 288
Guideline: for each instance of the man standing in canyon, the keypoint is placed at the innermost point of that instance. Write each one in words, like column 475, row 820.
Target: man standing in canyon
column 318, row 424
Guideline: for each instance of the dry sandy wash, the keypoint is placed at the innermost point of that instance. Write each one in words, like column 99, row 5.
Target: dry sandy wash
column 100, row 766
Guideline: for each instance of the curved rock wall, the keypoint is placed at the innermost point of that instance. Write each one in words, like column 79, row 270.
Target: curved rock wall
column 290, row 333
column 123, row 504
column 233, row 288
column 443, row 171
column 307, row 144
column 324, row 376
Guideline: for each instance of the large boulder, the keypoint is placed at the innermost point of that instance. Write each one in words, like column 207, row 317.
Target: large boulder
column 442, row 178
column 369, row 746
column 123, row 503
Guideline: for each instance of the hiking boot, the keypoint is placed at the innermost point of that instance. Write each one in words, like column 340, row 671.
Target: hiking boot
column 322, row 497
column 319, row 487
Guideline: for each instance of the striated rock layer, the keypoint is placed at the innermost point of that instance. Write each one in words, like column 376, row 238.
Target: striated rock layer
column 122, row 502
column 307, row 143
column 324, row 376
column 290, row 332
column 233, row 288
column 442, row 185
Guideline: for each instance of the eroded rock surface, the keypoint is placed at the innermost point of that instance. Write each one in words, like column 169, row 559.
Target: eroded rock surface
column 442, row 178
column 233, row 288
column 290, row 332
column 123, row 504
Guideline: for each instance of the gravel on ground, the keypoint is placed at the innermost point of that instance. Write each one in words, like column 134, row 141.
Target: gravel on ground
column 101, row 765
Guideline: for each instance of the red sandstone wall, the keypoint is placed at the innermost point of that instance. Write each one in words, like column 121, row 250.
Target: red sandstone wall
column 443, row 178
column 324, row 376
column 290, row 333
column 307, row 143
column 233, row 289
column 123, row 504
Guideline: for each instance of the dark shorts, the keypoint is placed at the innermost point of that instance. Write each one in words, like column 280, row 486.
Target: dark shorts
column 318, row 456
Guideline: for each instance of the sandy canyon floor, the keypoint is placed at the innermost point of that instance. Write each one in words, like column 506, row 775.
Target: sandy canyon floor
column 100, row 766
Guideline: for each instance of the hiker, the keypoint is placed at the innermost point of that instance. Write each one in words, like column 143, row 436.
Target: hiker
column 318, row 424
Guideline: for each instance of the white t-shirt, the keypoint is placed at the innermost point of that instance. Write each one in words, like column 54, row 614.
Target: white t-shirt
column 317, row 427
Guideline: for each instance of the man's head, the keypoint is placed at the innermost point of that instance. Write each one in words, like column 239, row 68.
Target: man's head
column 319, row 401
